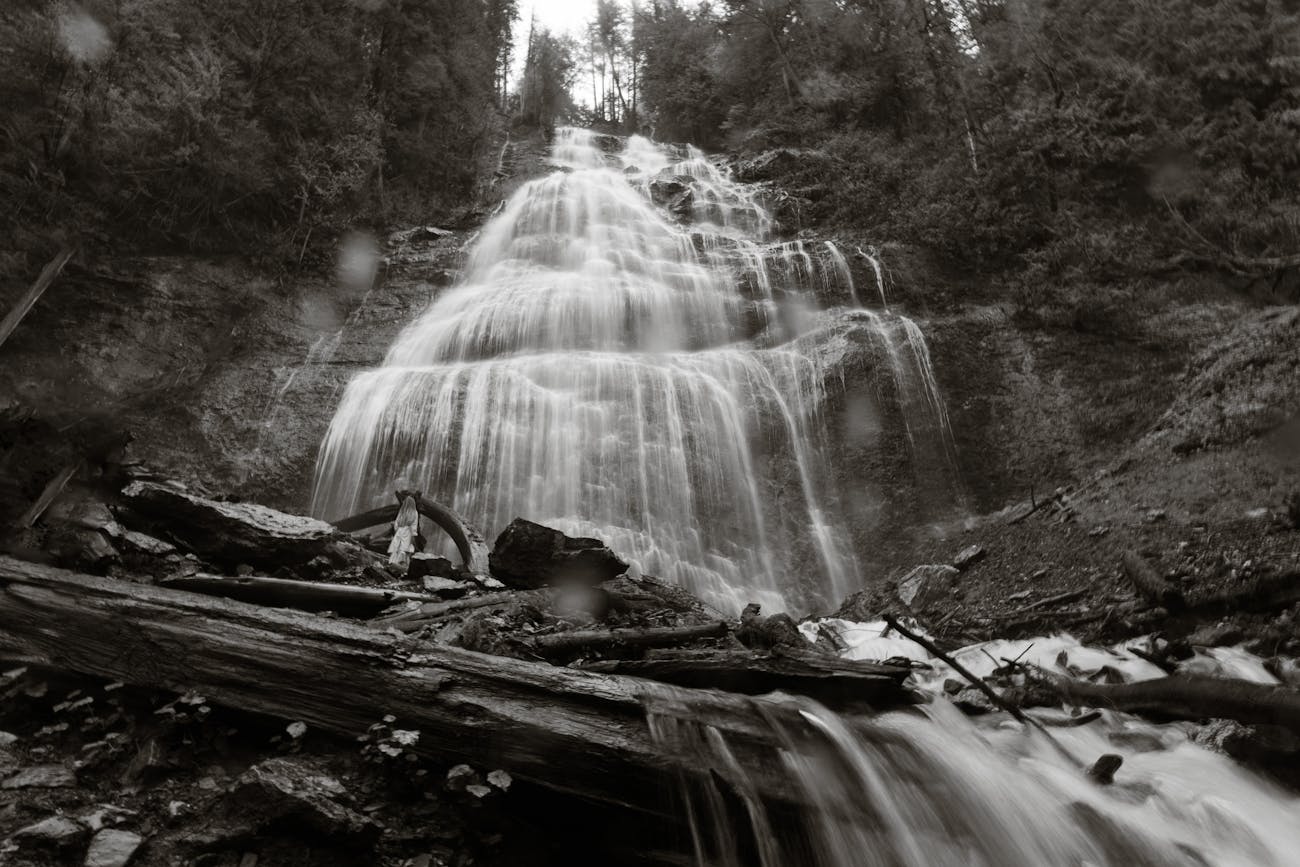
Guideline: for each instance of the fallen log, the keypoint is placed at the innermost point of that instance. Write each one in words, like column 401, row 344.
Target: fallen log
column 561, row 643
column 833, row 681
column 1188, row 697
column 1150, row 583
column 469, row 542
column 415, row 619
column 572, row 731
column 230, row 533
column 302, row 595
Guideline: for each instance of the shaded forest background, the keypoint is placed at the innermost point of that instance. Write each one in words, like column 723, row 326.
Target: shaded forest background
column 1056, row 139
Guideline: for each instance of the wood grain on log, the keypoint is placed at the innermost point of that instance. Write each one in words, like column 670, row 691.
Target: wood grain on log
column 569, row 730
column 830, row 680
column 560, row 643
column 303, row 595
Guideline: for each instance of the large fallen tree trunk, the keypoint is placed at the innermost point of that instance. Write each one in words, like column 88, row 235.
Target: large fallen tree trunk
column 1189, row 697
column 570, row 730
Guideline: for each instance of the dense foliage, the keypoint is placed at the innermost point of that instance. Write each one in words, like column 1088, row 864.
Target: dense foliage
column 215, row 123
column 1055, row 135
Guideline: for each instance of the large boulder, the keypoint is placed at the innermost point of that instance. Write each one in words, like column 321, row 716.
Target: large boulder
column 529, row 555
column 229, row 533
column 926, row 586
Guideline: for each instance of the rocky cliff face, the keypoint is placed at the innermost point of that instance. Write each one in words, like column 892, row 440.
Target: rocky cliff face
column 222, row 375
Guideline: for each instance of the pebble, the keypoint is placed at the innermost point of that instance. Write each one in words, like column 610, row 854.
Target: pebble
column 58, row 830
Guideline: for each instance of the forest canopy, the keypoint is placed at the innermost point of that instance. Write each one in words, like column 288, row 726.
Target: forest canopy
column 207, row 123
column 1057, row 134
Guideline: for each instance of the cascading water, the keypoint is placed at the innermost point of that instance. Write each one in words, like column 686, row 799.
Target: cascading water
column 930, row 788
column 608, row 371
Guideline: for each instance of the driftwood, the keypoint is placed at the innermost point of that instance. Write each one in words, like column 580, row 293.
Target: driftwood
column 1188, row 697
column 469, row 542
column 956, row 666
column 568, row 730
column 29, row 299
column 302, row 595
column 415, row 619
column 1150, row 583
column 561, row 643
column 830, row 680
column 48, row 495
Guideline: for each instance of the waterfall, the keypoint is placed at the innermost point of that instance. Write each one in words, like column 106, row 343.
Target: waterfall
column 609, row 370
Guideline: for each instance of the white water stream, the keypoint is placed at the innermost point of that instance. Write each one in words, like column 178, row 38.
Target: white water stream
column 933, row 788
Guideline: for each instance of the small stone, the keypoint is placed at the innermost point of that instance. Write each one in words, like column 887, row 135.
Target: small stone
column 1099, row 530
column 478, row 791
column 296, row 729
column 448, row 588
column 7, row 739
column 1017, row 596
column 112, row 848
column 56, row 831
column 460, row 777
column 1155, row 515
column 299, row 787
column 968, row 557
column 244, row 569
column 41, row 777
column 1103, row 770
column 143, row 543
column 500, row 779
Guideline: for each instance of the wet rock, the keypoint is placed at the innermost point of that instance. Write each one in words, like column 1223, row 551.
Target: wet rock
column 1215, row 635
column 430, row 565
column 925, row 586
column 301, row 790
column 41, row 777
column 142, row 543
column 81, row 549
column 230, row 533
column 528, row 555
column 1271, row 748
column 968, row 556
column 764, row 633
column 674, row 194
column 112, row 848
column 57, row 831
column 1103, row 770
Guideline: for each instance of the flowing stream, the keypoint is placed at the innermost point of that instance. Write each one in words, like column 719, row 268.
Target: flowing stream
column 934, row 788
column 613, row 371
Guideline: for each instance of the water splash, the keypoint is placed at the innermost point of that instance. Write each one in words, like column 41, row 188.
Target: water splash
column 598, row 370
column 933, row 787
